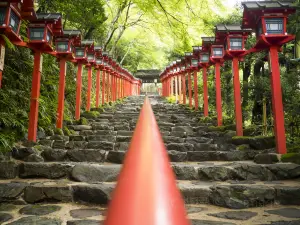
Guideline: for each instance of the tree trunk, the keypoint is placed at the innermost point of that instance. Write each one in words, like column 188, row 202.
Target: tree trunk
column 245, row 93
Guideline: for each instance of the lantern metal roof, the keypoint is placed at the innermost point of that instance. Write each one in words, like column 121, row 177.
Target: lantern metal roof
column 98, row 48
column 49, row 16
column 223, row 30
column 232, row 28
column 254, row 9
column 87, row 42
column 72, row 33
column 262, row 5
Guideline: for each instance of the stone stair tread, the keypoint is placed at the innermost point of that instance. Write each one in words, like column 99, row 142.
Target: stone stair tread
column 224, row 194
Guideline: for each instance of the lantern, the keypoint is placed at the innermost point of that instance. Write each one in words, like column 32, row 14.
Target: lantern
column 195, row 62
column 65, row 43
column 268, row 18
column 204, row 58
column 42, row 29
column 80, row 52
column 10, row 19
column 188, row 56
column 91, row 57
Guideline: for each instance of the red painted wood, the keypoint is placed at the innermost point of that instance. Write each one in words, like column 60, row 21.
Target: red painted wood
column 61, row 93
column 1, row 72
column 184, row 88
column 108, row 86
column 103, row 87
column 218, row 94
column 98, row 88
column 89, row 89
column 205, row 91
column 147, row 181
column 196, row 90
column 35, row 94
column 190, row 89
column 78, row 91
column 277, row 105
column 1, row 78
column 237, row 97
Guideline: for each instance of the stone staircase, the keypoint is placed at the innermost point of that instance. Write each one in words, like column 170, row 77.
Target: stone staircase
column 210, row 171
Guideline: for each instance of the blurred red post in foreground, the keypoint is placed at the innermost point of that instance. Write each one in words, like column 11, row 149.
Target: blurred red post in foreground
column 146, row 192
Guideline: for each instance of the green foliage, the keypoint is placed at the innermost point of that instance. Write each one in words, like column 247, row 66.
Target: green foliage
column 171, row 99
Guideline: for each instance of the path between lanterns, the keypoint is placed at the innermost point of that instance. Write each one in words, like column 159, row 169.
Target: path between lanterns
column 69, row 179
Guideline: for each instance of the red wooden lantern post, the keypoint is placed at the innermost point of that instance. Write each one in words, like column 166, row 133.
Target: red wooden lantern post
column 11, row 14
column 269, row 20
column 64, row 51
column 183, row 80
column 204, row 63
column 188, row 58
column 81, row 59
column 195, row 68
column 91, row 61
column 98, row 67
column 217, row 54
column 234, row 37
column 104, row 76
column 109, row 83
column 40, row 35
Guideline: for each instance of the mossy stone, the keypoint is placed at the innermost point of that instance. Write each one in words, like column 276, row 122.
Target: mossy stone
column 66, row 131
column 291, row 157
column 58, row 131
column 243, row 147
column 83, row 121
column 213, row 128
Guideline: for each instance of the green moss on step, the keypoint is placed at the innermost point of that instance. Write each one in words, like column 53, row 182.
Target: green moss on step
column 66, row 131
column 58, row 131
column 83, row 121
column 243, row 147
column 291, row 157
column 220, row 129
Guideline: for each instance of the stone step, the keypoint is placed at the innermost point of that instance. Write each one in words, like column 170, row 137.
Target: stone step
column 229, row 195
column 203, row 171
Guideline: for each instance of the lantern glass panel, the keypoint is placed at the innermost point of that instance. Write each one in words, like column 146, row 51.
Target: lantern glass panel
column 14, row 21
column 36, row 33
column 205, row 58
column 98, row 61
column 79, row 52
column 236, row 43
column 274, row 25
column 218, row 52
column 90, row 57
column 62, row 46
column 194, row 62
column 183, row 68
column 2, row 15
